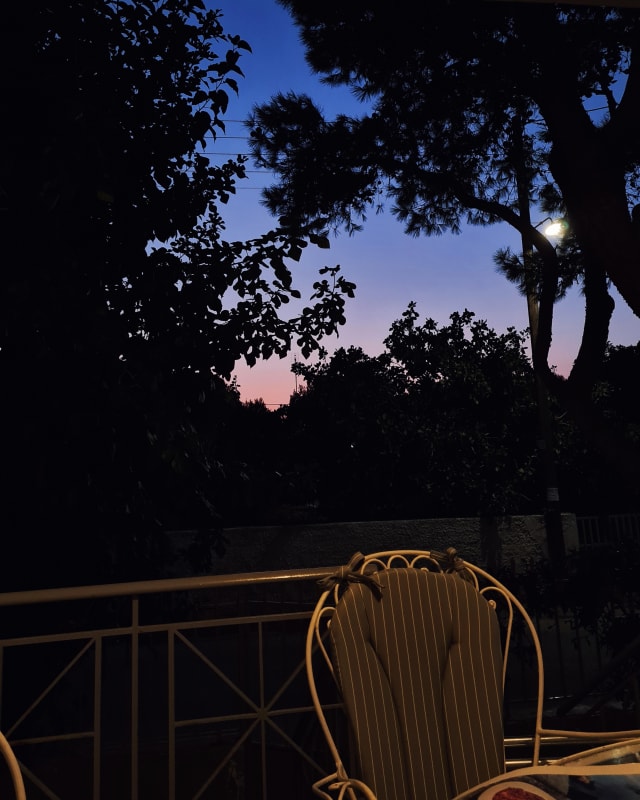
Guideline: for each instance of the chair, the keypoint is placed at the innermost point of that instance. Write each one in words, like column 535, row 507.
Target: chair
column 417, row 643
column 14, row 768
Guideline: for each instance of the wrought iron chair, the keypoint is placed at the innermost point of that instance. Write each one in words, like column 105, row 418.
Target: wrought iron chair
column 418, row 642
column 14, row 768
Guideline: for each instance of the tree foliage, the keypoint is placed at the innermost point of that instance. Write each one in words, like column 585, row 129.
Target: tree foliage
column 527, row 273
column 441, row 424
column 476, row 112
column 121, row 295
column 586, row 484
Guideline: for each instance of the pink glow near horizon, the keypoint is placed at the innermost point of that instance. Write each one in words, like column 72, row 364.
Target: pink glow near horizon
column 274, row 383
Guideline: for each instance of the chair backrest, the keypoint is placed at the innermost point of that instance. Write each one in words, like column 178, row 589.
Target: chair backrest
column 415, row 648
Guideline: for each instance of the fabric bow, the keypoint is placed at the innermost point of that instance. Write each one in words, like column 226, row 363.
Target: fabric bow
column 349, row 573
column 453, row 563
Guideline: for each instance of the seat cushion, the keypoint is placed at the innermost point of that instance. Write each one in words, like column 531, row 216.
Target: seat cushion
column 420, row 671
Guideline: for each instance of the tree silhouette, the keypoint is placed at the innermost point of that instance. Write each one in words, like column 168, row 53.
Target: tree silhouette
column 474, row 113
column 120, row 295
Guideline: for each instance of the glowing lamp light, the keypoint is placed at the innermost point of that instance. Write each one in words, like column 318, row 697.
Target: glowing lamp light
column 555, row 228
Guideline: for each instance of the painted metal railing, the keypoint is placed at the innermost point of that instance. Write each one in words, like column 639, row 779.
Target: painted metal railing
column 186, row 687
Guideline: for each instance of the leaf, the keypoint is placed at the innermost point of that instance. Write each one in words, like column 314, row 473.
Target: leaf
column 320, row 241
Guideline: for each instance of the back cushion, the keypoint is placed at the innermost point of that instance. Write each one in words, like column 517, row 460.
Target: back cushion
column 420, row 671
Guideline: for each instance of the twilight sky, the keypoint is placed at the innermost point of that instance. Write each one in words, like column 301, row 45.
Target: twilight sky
column 442, row 274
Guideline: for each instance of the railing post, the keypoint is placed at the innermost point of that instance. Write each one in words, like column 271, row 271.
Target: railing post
column 135, row 669
column 97, row 717
column 171, row 713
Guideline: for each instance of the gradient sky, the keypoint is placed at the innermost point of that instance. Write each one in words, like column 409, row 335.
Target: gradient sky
column 442, row 274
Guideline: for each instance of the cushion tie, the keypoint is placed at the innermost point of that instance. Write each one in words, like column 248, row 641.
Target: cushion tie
column 453, row 563
column 349, row 574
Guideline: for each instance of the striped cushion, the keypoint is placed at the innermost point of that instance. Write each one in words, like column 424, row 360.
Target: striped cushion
column 420, row 674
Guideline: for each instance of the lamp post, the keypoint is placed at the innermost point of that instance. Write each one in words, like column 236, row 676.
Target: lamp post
column 545, row 439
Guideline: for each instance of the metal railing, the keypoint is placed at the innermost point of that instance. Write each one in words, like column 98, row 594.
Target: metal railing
column 594, row 531
column 176, row 689
column 180, row 688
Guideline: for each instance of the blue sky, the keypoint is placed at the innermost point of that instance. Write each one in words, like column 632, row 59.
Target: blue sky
column 442, row 274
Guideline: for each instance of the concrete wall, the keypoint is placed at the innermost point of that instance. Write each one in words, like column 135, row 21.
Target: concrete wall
column 488, row 543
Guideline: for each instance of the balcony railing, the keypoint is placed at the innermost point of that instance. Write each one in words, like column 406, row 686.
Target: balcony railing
column 176, row 689
column 183, row 688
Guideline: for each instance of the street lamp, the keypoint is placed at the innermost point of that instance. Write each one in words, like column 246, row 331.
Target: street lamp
column 555, row 228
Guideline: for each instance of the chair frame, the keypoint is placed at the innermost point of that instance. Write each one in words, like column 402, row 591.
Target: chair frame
column 339, row 783
column 14, row 768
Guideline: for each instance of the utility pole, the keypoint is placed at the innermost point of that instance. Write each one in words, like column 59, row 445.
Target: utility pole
column 545, row 439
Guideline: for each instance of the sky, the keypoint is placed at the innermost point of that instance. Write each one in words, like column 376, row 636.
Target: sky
column 441, row 274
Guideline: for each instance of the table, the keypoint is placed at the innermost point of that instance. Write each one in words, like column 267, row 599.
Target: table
column 611, row 772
